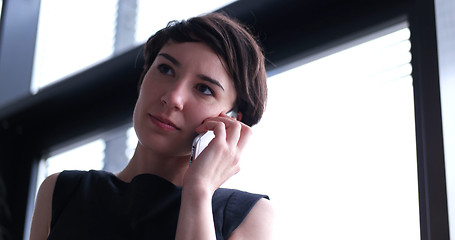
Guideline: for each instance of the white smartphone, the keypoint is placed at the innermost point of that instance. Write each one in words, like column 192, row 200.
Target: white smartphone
column 202, row 140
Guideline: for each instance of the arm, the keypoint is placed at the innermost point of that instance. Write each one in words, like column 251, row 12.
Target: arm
column 217, row 163
column 258, row 224
column 43, row 209
column 195, row 217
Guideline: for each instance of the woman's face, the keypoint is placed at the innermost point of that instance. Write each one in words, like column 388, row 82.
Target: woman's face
column 185, row 85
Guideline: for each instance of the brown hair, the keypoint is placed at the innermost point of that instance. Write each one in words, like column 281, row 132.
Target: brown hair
column 234, row 44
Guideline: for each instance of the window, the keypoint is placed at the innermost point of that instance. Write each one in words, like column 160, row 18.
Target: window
column 72, row 36
column 1, row 8
column 85, row 157
column 75, row 35
column 336, row 147
column 336, row 150
column 150, row 13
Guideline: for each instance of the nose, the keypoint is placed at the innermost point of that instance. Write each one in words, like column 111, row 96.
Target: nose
column 174, row 97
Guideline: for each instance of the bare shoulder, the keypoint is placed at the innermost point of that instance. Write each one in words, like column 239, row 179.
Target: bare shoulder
column 258, row 224
column 48, row 183
column 43, row 209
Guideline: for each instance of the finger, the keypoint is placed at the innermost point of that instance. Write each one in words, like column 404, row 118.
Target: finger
column 237, row 133
column 245, row 134
column 218, row 128
column 233, row 129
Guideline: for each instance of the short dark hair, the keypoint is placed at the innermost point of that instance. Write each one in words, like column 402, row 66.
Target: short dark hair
column 234, row 44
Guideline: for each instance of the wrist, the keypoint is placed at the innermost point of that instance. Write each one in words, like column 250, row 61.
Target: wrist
column 198, row 191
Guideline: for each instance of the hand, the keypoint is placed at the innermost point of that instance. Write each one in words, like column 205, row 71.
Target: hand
column 220, row 160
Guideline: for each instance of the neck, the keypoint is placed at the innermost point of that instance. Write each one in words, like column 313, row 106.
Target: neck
column 144, row 161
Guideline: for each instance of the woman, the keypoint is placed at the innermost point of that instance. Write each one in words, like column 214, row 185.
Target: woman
column 195, row 72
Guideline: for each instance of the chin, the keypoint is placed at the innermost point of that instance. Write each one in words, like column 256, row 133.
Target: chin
column 165, row 147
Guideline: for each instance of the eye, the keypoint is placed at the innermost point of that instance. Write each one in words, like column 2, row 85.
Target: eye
column 204, row 89
column 166, row 69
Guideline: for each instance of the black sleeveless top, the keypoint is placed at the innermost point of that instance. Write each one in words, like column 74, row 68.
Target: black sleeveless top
column 98, row 205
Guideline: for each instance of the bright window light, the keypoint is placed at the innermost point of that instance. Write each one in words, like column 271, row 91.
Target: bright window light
column 131, row 142
column 154, row 15
column 85, row 157
column 76, row 35
column 72, row 36
column 336, row 147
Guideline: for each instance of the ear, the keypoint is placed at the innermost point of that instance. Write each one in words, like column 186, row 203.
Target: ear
column 239, row 116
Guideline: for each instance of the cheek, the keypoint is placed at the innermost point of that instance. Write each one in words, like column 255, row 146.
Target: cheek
column 194, row 116
column 197, row 113
column 143, row 105
column 137, row 122
column 148, row 94
column 137, row 108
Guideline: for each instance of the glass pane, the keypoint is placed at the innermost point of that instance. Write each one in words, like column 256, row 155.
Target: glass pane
column 154, row 15
column 336, row 147
column 72, row 36
column 75, row 35
column 85, row 157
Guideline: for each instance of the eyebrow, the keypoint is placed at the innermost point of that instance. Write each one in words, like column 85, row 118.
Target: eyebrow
column 170, row 58
column 211, row 80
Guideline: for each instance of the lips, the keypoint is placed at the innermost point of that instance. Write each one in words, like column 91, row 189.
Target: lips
column 163, row 123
